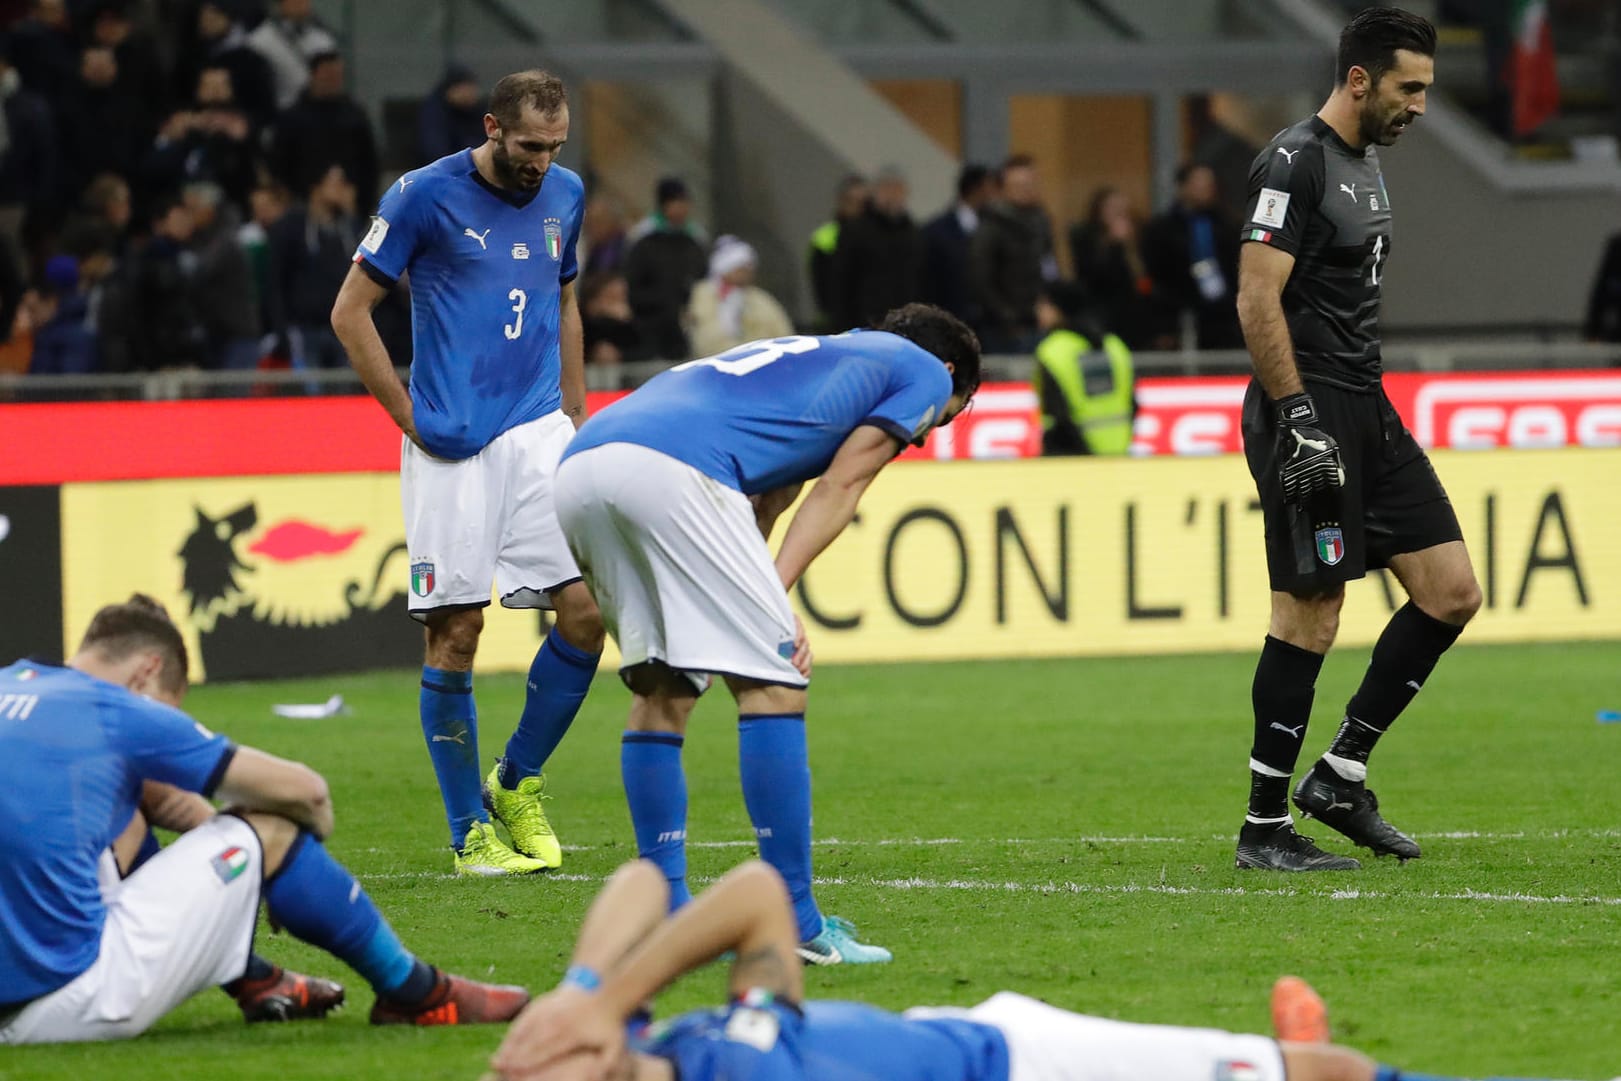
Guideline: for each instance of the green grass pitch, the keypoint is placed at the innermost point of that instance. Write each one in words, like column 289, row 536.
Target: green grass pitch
column 1062, row 828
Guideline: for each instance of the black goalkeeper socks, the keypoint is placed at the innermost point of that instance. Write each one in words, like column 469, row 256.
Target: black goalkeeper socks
column 1285, row 681
column 1403, row 658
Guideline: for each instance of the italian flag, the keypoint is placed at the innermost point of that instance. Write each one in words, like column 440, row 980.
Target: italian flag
column 1532, row 77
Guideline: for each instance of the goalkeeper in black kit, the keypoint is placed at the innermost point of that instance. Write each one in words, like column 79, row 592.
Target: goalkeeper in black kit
column 1344, row 487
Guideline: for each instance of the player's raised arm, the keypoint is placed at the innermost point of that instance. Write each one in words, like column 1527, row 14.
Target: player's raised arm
column 831, row 504
column 352, row 323
column 747, row 912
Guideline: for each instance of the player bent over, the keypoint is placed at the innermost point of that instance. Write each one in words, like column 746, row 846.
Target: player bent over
column 80, row 740
column 627, row 951
column 667, row 500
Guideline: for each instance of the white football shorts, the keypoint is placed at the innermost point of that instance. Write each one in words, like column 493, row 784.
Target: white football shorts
column 677, row 565
column 182, row 923
column 1049, row 1044
column 487, row 518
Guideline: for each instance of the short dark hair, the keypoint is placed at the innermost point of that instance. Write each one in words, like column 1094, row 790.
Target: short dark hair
column 942, row 334
column 1018, row 161
column 325, row 56
column 971, row 178
column 1370, row 40
column 537, row 89
column 139, row 623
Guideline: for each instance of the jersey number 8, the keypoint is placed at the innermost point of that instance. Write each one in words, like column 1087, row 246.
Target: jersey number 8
column 755, row 355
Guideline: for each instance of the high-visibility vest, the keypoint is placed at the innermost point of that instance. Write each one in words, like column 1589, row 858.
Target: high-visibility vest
column 1097, row 384
column 825, row 237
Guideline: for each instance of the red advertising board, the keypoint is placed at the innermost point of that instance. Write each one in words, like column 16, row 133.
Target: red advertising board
column 83, row 441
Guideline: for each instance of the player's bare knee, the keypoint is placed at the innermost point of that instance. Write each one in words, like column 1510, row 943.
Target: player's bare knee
column 1326, row 1062
column 770, row 698
column 579, row 620
column 453, row 639
column 1463, row 600
column 276, row 837
column 1310, row 622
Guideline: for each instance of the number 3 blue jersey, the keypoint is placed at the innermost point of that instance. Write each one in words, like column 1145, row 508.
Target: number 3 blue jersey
column 774, row 412
column 487, row 268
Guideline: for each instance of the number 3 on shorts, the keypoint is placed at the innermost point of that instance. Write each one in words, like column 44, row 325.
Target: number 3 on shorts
column 756, row 355
column 515, row 329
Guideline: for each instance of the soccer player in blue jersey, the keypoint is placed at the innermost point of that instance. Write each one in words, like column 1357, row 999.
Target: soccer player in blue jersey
column 487, row 238
column 667, row 499
column 594, row 1025
column 80, row 963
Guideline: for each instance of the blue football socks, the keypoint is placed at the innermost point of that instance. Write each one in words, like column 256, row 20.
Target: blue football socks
column 450, row 727
column 558, row 681
column 775, row 767
column 320, row 902
column 656, row 789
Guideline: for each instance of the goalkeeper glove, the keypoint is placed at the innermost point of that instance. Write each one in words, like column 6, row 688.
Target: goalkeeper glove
column 1308, row 457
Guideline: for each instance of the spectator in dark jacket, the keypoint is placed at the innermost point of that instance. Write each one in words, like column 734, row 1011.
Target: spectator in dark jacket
column 101, row 221
column 29, row 154
column 104, row 128
column 222, row 280
column 310, row 250
column 1011, row 258
column 878, row 264
column 451, row 117
column 325, row 128
column 1106, row 250
column 288, row 38
column 604, row 239
column 661, row 269
column 160, row 318
column 65, row 344
column 946, row 240
column 222, row 43
column 141, row 73
column 211, row 142
column 46, row 56
column 1192, row 255
column 849, row 201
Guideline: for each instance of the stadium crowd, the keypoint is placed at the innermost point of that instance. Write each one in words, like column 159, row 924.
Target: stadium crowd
column 182, row 186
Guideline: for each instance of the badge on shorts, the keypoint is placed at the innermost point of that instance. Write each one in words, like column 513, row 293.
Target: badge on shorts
column 422, row 578
column 1330, row 545
column 230, row 864
column 1237, row 1071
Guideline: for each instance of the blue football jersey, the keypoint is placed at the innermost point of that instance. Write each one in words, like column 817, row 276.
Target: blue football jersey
column 487, row 269
column 774, row 412
column 76, row 751
column 827, row 1041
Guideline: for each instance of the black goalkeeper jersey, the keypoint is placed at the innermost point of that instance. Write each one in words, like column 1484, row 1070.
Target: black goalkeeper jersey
column 1314, row 197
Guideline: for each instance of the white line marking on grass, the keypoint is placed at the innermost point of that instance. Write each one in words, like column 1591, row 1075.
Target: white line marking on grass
column 974, row 885
column 1127, row 839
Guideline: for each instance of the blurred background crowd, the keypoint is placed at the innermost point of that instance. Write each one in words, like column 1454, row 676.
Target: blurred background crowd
column 182, row 185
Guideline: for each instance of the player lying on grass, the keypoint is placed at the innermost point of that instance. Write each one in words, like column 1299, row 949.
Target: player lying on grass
column 628, row 950
column 79, row 743
column 667, row 500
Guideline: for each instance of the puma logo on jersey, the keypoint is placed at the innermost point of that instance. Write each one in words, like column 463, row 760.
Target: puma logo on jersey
column 1295, row 731
column 1288, row 155
column 404, row 180
column 1349, row 189
column 478, row 237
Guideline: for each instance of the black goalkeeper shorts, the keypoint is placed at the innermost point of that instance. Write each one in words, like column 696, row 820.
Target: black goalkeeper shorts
column 1392, row 501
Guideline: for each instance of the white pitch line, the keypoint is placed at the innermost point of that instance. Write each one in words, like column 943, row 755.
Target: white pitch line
column 1131, row 839
column 973, row 885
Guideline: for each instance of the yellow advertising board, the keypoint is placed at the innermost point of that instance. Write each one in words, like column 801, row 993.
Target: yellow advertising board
column 303, row 575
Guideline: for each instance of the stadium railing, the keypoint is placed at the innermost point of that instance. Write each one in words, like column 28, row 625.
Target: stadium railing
column 1438, row 356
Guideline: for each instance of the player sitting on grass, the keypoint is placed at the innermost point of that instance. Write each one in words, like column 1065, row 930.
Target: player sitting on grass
column 627, row 951
column 264, row 991
column 79, row 743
